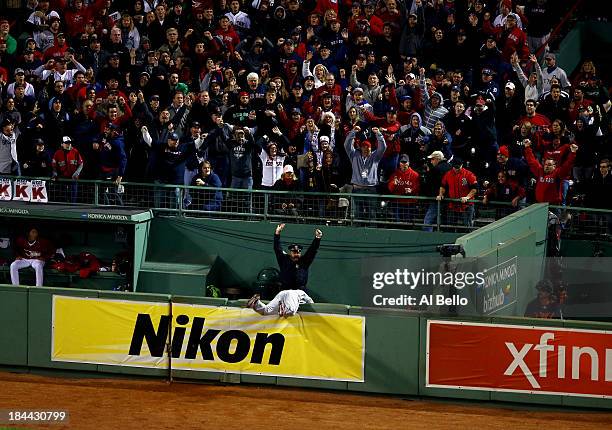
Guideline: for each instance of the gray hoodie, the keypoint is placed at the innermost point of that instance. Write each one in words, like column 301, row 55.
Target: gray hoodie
column 8, row 153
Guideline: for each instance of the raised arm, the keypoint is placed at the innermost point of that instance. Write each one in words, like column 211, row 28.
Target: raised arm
column 567, row 165
column 532, row 162
column 146, row 136
column 277, row 246
column 313, row 248
column 348, row 142
column 382, row 145
column 423, row 87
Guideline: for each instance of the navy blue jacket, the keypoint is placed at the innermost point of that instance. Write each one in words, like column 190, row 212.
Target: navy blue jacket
column 294, row 276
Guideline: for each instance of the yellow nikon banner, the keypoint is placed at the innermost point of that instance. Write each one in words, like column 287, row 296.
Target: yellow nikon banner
column 208, row 338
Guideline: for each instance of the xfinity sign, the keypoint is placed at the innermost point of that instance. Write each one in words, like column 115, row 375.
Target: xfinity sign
column 521, row 359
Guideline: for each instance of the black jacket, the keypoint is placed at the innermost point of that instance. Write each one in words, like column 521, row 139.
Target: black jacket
column 599, row 191
column 294, row 276
column 432, row 180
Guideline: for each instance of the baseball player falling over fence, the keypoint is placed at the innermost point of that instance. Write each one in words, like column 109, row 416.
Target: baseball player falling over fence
column 293, row 276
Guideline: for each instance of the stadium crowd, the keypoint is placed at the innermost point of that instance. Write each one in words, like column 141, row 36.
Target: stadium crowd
column 434, row 98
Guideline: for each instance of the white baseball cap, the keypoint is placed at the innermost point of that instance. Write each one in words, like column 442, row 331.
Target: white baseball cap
column 324, row 139
column 288, row 169
column 510, row 85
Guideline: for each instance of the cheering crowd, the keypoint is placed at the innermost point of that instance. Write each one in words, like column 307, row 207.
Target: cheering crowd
column 442, row 98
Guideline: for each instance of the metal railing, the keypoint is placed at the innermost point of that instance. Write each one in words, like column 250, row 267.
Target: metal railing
column 580, row 222
column 318, row 208
column 306, row 207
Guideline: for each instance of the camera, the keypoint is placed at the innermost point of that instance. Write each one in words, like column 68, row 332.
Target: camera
column 448, row 250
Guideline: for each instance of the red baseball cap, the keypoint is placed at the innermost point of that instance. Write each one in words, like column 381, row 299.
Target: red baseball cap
column 503, row 150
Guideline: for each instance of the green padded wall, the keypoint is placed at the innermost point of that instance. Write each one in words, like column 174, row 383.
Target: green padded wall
column 14, row 323
column 392, row 355
column 244, row 248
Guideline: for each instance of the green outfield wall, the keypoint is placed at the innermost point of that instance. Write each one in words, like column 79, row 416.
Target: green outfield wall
column 398, row 353
column 517, row 238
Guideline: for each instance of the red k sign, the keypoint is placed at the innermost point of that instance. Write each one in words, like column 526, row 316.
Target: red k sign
column 522, row 359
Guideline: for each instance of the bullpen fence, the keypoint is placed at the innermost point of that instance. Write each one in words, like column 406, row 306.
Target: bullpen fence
column 347, row 348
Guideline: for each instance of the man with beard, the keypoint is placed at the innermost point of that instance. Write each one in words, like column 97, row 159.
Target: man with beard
column 293, row 276
column 240, row 113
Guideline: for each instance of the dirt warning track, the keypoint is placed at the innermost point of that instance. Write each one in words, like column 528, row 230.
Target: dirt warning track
column 147, row 404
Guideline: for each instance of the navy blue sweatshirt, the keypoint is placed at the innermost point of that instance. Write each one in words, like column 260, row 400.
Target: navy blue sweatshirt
column 294, row 275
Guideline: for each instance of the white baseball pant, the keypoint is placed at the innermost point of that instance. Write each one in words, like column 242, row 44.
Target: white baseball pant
column 37, row 265
column 287, row 301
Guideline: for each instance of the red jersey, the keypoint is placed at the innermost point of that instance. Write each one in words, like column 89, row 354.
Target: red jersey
column 509, row 42
column 558, row 154
column 538, row 121
column 459, row 184
column 67, row 163
column 548, row 186
column 40, row 249
column 391, row 133
column 406, row 183
column 336, row 93
column 230, row 37
column 75, row 20
column 323, row 5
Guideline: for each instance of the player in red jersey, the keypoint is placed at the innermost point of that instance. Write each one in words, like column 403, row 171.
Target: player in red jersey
column 32, row 251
